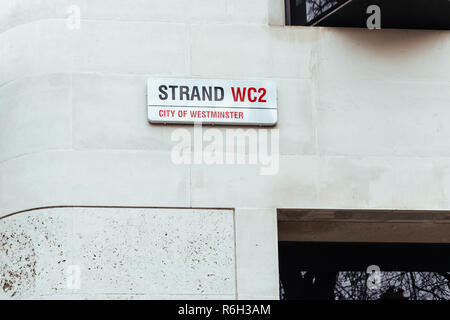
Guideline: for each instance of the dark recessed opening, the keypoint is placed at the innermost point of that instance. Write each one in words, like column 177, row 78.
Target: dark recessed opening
column 364, row 255
column 339, row 271
column 403, row 14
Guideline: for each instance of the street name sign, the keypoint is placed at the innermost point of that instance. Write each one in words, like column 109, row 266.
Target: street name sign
column 230, row 102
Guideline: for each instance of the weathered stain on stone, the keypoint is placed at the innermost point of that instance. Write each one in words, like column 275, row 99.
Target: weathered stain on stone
column 21, row 240
column 17, row 262
column 117, row 250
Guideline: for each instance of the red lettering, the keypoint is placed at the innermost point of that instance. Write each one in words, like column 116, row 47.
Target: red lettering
column 263, row 91
column 238, row 94
column 166, row 113
column 250, row 98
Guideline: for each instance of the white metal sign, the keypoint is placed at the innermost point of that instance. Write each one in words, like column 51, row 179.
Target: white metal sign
column 212, row 101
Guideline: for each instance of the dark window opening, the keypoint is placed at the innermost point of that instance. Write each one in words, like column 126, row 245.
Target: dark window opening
column 338, row 271
column 403, row 14
column 364, row 254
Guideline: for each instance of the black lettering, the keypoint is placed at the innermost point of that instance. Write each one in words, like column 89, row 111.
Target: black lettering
column 184, row 91
column 216, row 95
column 195, row 93
column 163, row 94
column 206, row 92
column 173, row 91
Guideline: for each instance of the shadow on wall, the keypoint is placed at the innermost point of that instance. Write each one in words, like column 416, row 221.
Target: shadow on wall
column 393, row 43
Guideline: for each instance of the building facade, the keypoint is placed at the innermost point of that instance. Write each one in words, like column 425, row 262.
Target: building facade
column 92, row 204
